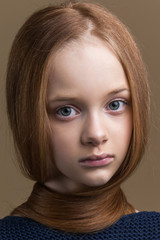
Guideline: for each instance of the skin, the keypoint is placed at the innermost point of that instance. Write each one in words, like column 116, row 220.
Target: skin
column 89, row 109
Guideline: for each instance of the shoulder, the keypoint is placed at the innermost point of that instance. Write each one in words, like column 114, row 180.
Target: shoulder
column 141, row 225
column 13, row 227
column 143, row 217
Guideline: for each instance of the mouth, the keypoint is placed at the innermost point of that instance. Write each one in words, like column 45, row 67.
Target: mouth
column 97, row 160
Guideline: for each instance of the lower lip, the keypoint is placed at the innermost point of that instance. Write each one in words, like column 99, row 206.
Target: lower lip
column 97, row 163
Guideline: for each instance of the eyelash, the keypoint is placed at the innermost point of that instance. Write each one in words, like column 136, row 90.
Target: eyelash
column 65, row 117
column 71, row 108
column 120, row 102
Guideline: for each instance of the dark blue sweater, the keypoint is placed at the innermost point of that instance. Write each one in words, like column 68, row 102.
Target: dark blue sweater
column 142, row 225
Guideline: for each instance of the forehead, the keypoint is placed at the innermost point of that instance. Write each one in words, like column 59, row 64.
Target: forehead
column 87, row 62
column 80, row 46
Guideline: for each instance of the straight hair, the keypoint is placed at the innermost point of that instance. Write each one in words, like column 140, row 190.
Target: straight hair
column 41, row 36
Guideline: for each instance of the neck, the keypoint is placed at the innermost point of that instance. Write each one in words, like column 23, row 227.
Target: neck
column 73, row 212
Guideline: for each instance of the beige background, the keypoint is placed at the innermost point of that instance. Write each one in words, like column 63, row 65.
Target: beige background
column 143, row 18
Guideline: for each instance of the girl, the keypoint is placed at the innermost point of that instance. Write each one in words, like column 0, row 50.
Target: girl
column 78, row 106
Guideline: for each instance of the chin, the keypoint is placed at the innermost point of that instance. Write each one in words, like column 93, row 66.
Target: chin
column 98, row 182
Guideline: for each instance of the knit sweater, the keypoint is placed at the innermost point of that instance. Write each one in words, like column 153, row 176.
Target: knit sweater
column 142, row 225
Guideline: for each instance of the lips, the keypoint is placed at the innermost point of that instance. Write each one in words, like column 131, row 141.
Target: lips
column 97, row 160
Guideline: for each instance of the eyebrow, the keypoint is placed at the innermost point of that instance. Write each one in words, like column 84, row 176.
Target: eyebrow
column 62, row 99
column 116, row 91
column 69, row 98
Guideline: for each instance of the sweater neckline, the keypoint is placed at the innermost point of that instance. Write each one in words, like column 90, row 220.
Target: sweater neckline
column 123, row 217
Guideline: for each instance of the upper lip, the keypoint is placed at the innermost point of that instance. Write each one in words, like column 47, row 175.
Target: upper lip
column 97, row 157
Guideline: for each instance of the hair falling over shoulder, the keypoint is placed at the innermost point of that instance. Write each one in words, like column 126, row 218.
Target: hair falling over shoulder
column 43, row 34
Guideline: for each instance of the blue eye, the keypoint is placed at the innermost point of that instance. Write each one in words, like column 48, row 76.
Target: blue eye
column 65, row 112
column 116, row 105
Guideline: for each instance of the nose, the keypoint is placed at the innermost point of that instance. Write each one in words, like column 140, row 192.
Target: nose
column 94, row 132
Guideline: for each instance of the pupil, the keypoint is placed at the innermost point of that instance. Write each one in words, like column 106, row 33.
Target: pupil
column 114, row 105
column 66, row 111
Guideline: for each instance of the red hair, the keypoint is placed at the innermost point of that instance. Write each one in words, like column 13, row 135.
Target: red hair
column 41, row 36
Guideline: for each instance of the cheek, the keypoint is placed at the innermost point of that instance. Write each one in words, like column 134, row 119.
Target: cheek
column 129, row 126
column 63, row 139
column 127, row 132
column 122, row 131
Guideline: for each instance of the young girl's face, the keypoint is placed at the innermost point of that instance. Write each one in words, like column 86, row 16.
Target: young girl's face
column 89, row 108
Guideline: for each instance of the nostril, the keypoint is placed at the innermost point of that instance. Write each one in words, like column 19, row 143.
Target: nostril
column 93, row 137
column 93, row 142
column 96, row 141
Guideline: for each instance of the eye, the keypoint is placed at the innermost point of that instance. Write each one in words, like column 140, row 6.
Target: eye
column 116, row 105
column 66, row 112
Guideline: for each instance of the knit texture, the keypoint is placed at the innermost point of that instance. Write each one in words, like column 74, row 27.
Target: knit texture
column 142, row 225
